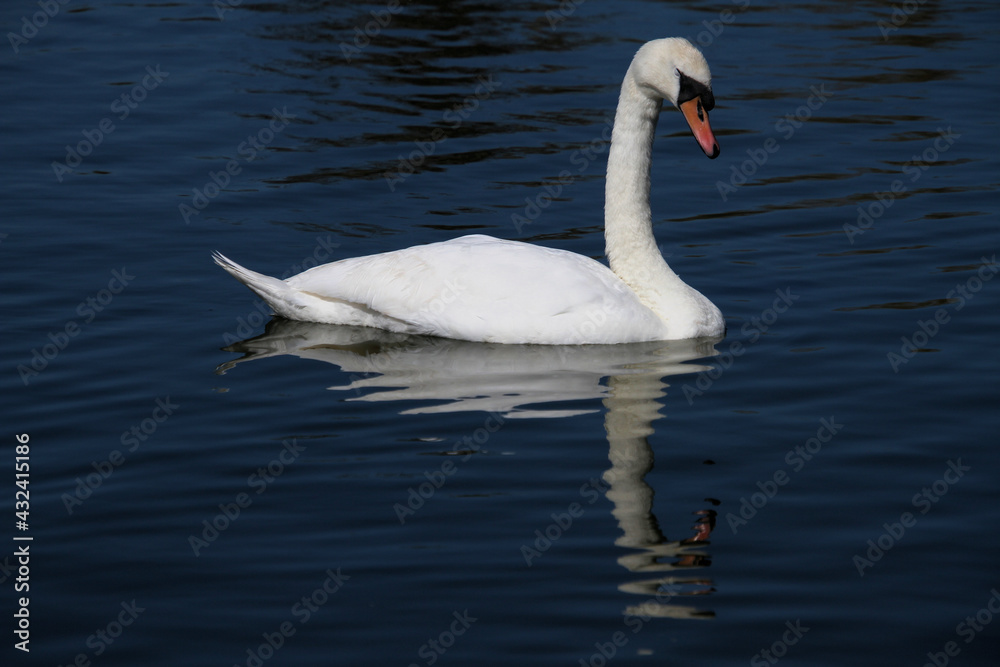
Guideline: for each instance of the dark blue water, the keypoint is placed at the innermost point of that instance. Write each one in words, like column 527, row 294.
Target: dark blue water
column 819, row 487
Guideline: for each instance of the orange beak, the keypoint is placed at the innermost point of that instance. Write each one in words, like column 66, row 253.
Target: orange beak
column 697, row 118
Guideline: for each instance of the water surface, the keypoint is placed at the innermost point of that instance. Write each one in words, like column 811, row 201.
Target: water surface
column 210, row 487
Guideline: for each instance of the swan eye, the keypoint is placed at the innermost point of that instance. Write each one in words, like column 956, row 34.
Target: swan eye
column 692, row 88
column 677, row 72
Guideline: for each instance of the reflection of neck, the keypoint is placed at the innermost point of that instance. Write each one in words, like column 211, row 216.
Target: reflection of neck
column 631, row 408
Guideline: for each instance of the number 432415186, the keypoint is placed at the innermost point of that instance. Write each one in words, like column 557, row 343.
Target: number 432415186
column 23, row 476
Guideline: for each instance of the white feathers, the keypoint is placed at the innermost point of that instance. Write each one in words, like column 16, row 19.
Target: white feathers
column 471, row 288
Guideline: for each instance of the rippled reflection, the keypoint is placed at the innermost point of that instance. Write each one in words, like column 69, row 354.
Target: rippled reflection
column 416, row 78
column 518, row 381
column 632, row 405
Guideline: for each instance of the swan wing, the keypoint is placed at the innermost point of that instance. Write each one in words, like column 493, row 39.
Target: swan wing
column 482, row 289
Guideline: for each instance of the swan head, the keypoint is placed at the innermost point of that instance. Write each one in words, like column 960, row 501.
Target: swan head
column 674, row 70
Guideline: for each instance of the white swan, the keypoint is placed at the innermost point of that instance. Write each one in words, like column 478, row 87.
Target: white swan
column 479, row 288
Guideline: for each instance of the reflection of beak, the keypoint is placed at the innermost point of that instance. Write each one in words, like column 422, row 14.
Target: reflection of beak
column 697, row 117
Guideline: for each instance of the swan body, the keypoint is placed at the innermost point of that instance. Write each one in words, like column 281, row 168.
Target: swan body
column 474, row 288
column 479, row 288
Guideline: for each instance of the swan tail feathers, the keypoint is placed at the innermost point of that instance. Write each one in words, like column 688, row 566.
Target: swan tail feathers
column 277, row 293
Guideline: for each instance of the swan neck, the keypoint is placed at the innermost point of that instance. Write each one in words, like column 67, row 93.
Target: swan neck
column 628, row 227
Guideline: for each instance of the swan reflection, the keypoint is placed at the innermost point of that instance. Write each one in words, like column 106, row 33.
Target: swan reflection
column 514, row 380
column 632, row 405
